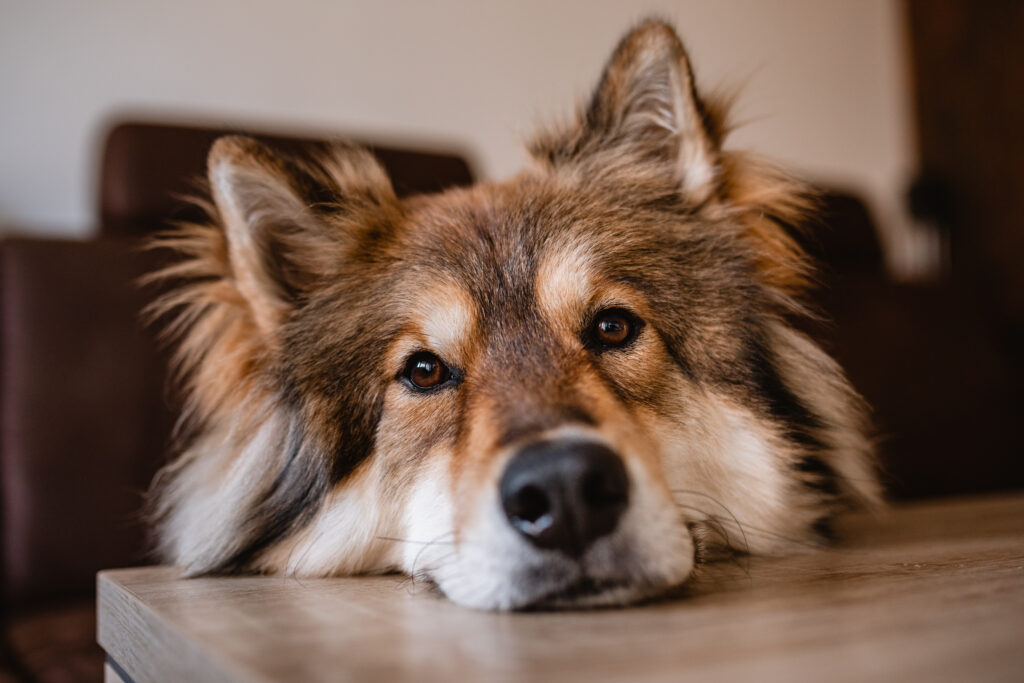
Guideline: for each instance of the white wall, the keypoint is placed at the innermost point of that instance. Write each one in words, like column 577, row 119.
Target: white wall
column 823, row 83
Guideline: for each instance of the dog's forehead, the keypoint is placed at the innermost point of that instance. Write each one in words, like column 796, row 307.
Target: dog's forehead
column 489, row 241
column 524, row 251
column 503, row 236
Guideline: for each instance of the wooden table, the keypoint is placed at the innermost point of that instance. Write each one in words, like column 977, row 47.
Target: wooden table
column 930, row 591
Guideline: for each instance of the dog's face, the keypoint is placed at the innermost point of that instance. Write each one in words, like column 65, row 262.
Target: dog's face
column 557, row 390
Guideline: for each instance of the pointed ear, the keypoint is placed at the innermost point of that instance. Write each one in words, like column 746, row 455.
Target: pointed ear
column 645, row 110
column 287, row 222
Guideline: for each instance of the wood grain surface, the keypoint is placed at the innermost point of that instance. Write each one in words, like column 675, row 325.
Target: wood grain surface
column 932, row 591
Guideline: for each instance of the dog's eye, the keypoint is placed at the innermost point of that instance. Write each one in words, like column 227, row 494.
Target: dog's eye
column 424, row 370
column 613, row 328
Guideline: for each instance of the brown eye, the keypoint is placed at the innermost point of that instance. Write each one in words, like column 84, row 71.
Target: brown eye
column 613, row 328
column 424, row 371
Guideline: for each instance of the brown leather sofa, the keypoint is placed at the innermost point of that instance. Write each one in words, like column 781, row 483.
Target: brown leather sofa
column 86, row 408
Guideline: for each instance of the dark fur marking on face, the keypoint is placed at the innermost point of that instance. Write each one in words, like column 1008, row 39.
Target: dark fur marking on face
column 802, row 426
column 288, row 503
column 357, row 436
column 675, row 351
column 824, row 527
column 336, row 380
column 782, row 404
column 823, row 477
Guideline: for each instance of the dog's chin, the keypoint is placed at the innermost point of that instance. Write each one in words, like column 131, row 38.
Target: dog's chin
column 588, row 593
column 563, row 584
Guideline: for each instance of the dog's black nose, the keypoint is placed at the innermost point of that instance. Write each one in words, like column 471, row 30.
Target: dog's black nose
column 563, row 495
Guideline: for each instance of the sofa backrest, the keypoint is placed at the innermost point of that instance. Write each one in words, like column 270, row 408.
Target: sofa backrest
column 149, row 168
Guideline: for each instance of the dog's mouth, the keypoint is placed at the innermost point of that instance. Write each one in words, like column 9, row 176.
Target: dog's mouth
column 586, row 592
column 580, row 592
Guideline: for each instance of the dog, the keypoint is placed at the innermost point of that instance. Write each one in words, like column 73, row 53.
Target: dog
column 567, row 389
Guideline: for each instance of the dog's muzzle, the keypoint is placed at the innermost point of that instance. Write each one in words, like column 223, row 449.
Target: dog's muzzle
column 564, row 494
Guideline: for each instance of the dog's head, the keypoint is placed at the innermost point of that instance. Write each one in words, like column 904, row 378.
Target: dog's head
column 553, row 390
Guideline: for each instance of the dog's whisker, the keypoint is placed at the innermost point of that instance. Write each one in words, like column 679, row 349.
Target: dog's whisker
column 306, row 552
column 759, row 532
column 721, row 505
column 435, row 542
column 710, row 520
column 414, row 542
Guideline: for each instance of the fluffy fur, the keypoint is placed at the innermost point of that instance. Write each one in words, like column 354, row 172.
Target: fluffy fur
column 312, row 286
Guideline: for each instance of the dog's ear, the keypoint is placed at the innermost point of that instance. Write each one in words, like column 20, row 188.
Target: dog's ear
column 287, row 223
column 644, row 117
column 647, row 132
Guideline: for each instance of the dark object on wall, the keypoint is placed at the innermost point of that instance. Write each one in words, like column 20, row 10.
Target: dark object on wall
column 967, row 60
column 927, row 358
column 85, row 406
column 932, row 201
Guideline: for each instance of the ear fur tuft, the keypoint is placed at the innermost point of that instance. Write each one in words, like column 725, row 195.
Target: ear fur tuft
column 769, row 204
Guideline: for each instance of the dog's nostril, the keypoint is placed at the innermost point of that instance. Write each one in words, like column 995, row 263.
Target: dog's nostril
column 530, row 505
column 563, row 495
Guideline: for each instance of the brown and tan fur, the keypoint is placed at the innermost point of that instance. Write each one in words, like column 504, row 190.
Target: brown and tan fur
column 313, row 284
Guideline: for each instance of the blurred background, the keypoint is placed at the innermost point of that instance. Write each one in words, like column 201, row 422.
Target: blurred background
column 906, row 113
